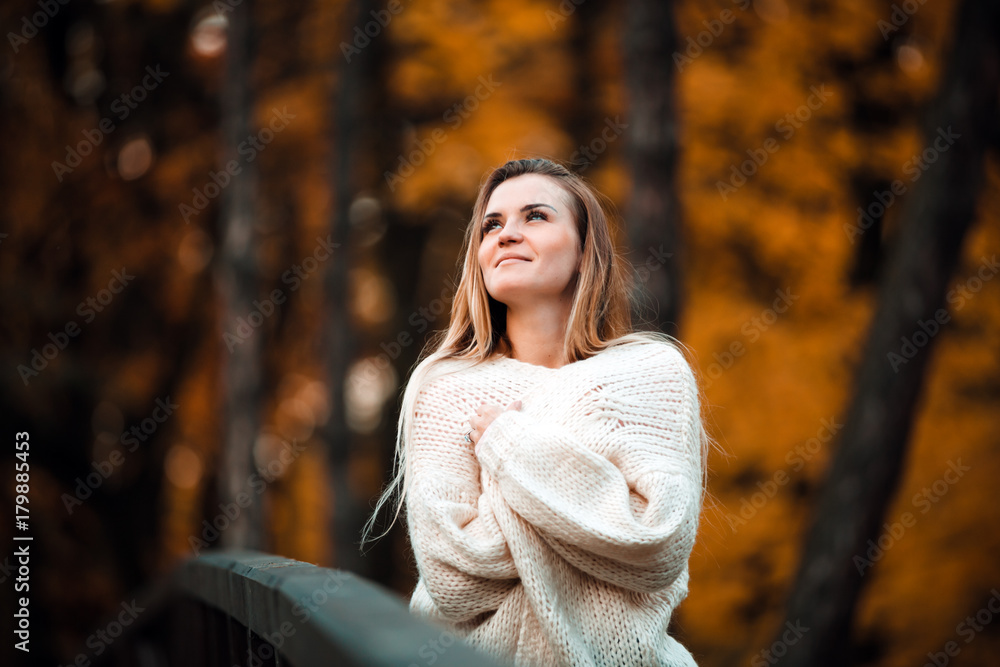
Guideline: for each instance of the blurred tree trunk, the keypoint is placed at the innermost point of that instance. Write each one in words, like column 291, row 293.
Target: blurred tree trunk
column 585, row 120
column 653, row 210
column 238, row 285
column 348, row 101
column 866, row 466
column 400, row 260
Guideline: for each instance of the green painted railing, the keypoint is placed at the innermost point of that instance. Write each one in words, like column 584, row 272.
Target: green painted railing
column 246, row 608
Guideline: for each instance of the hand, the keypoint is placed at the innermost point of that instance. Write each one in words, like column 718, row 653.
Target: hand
column 484, row 416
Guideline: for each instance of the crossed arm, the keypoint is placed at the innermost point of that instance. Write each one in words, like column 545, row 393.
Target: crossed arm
column 617, row 494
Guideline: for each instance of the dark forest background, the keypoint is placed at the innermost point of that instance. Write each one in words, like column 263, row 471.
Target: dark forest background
column 226, row 231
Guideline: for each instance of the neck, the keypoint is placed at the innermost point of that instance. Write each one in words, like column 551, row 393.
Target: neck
column 537, row 333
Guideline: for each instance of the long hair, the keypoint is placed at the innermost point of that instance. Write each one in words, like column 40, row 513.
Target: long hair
column 599, row 317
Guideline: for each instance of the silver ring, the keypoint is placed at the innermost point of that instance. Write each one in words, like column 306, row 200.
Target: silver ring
column 467, row 438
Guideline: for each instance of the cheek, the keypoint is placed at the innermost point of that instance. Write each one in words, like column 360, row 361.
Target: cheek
column 485, row 269
column 483, row 256
column 567, row 251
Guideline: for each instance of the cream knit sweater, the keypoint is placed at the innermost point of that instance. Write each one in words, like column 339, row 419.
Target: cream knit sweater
column 564, row 539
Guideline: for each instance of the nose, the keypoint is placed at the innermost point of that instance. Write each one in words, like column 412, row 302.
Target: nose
column 511, row 232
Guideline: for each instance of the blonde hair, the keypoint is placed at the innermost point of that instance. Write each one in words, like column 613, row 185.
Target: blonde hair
column 600, row 316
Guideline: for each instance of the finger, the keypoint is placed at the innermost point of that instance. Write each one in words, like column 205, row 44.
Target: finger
column 515, row 405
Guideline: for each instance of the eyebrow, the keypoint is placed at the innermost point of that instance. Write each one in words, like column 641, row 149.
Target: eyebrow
column 524, row 209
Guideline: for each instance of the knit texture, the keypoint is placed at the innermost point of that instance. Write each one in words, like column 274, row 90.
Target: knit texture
column 564, row 537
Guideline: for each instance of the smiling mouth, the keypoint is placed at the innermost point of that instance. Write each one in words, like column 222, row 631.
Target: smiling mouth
column 510, row 260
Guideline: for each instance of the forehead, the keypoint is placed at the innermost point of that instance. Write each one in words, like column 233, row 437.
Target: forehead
column 528, row 189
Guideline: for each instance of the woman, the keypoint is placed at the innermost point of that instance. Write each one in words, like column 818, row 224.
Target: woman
column 552, row 461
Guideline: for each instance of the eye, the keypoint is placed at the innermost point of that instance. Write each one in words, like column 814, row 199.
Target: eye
column 489, row 224
column 536, row 214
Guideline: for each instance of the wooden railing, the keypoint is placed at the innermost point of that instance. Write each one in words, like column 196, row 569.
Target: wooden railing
column 251, row 609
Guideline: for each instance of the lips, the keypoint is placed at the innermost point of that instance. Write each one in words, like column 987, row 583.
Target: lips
column 506, row 257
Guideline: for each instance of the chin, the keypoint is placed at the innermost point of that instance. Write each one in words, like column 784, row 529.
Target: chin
column 506, row 297
column 521, row 296
column 510, row 286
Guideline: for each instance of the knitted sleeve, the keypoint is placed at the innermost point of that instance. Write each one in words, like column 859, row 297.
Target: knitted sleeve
column 614, row 488
column 461, row 554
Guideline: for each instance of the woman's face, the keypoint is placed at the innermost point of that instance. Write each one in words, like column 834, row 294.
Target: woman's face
column 530, row 220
